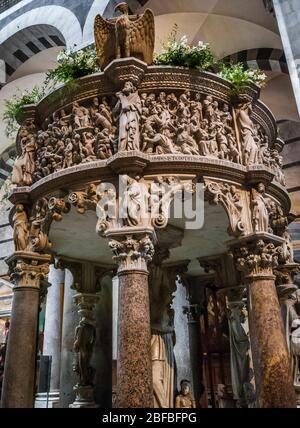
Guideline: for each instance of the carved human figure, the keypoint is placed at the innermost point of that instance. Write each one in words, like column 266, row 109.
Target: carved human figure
column 68, row 161
column 239, row 349
column 88, row 147
column 29, row 162
column 247, row 131
column 81, row 116
column 163, row 369
column 134, row 202
column 104, row 144
column 21, row 228
column 186, row 142
column 185, row 399
column 128, row 111
column 260, row 214
column 161, row 143
column 85, row 336
column 38, row 235
column 288, row 250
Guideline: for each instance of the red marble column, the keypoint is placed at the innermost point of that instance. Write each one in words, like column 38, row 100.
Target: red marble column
column 132, row 251
column 19, row 372
column 270, row 354
column 134, row 367
column 256, row 256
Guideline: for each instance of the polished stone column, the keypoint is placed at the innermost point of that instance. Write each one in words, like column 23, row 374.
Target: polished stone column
column 52, row 331
column 193, row 312
column 28, row 270
column 256, row 256
column 68, row 377
column 134, row 366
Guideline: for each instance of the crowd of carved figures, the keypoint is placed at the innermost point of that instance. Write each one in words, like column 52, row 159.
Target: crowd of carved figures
column 164, row 123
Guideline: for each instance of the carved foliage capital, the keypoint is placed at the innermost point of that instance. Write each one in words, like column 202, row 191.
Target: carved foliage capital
column 132, row 252
column 28, row 269
column 256, row 258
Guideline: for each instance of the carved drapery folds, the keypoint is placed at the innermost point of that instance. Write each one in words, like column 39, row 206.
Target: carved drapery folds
column 24, row 167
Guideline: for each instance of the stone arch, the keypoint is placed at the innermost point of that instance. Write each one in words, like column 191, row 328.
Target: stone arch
column 57, row 16
column 88, row 29
column 267, row 59
column 28, row 43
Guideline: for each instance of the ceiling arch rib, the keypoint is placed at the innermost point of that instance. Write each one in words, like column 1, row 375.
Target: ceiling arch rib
column 263, row 59
column 26, row 43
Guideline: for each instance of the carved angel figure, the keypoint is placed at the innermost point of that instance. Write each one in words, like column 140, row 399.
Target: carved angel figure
column 125, row 36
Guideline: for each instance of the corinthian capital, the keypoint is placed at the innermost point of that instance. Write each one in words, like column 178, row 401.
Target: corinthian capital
column 28, row 269
column 257, row 254
column 132, row 250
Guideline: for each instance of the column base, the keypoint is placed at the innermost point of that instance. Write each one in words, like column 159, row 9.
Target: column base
column 84, row 397
column 41, row 400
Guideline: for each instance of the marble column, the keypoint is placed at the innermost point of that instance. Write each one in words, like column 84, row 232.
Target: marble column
column 68, row 377
column 52, row 333
column 28, row 270
column 134, row 366
column 193, row 312
column 256, row 257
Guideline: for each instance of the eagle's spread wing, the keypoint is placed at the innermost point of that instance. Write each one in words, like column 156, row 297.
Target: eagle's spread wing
column 142, row 37
column 104, row 40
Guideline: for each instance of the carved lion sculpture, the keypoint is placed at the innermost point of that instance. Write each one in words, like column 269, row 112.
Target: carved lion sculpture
column 125, row 36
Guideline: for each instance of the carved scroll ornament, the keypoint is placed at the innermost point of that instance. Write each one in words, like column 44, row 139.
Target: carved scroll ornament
column 230, row 196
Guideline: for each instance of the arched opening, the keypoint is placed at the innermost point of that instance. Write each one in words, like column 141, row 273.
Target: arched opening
column 31, row 50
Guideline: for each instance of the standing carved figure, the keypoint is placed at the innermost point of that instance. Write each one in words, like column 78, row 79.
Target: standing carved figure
column 128, row 111
column 247, row 131
column 125, row 36
column 85, row 336
column 239, row 350
column 163, row 369
column 21, row 228
column 260, row 214
column 134, row 203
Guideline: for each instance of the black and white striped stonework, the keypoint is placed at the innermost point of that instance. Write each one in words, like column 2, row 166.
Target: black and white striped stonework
column 27, row 43
column 6, row 164
column 263, row 59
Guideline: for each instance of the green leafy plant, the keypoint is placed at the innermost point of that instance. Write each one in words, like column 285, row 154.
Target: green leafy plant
column 14, row 107
column 73, row 65
column 241, row 77
column 180, row 53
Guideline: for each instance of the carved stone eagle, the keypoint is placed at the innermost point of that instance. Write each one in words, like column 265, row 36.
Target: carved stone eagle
column 125, row 36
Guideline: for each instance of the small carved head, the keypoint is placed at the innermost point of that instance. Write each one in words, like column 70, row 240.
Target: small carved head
column 122, row 7
column 128, row 88
column 185, row 387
